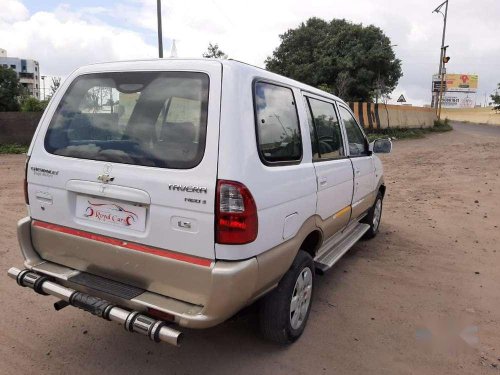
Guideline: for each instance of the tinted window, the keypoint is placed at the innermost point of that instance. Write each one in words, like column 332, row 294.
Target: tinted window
column 154, row 119
column 357, row 141
column 278, row 132
column 312, row 132
column 328, row 133
column 178, row 112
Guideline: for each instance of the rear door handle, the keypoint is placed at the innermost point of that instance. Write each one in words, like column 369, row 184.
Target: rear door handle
column 358, row 171
column 184, row 224
column 323, row 181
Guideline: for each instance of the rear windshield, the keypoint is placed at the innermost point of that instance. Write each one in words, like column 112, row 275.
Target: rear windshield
column 156, row 119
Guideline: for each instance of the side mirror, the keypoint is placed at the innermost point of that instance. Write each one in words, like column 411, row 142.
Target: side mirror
column 381, row 146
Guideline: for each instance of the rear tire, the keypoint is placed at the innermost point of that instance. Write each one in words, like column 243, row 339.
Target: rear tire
column 374, row 217
column 284, row 311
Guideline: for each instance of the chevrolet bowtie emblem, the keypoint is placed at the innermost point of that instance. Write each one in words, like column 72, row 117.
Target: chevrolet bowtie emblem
column 105, row 178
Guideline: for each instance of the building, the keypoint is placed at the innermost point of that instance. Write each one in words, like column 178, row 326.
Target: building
column 28, row 72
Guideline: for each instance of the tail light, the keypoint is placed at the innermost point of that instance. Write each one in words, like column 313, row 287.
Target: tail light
column 25, row 182
column 236, row 214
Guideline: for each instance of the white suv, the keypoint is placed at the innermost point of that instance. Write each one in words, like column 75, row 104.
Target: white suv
column 166, row 192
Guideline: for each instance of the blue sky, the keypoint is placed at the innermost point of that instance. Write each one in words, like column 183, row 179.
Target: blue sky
column 43, row 5
column 63, row 35
column 91, row 7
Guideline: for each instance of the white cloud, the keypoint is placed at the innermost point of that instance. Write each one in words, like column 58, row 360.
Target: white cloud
column 249, row 32
column 12, row 10
column 63, row 40
column 67, row 37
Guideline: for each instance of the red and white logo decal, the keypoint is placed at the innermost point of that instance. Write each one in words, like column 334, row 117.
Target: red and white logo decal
column 118, row 214
column 110, row 212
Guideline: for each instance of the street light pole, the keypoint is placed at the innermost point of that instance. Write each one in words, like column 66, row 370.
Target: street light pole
column 43, row 80
column 443, row 52
column 442, row 84
column 160, row 37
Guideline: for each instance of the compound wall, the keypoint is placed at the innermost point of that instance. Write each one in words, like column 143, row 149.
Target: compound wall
column 18, row 127
column 380, row 116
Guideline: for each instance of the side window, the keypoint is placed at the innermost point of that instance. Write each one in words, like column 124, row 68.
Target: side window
column 312, row 131
column 278, row 132
column 327, row 130
column 357, row 141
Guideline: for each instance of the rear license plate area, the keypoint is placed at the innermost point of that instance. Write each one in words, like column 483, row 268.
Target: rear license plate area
column 111, row 213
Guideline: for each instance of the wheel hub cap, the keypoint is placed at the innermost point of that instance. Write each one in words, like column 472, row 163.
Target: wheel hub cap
column 301, row 298
column 376, row 214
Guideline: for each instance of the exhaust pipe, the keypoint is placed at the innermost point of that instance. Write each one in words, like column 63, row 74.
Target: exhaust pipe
column 133, row 321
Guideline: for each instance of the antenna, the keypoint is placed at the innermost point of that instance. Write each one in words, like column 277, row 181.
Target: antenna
column 173, row 50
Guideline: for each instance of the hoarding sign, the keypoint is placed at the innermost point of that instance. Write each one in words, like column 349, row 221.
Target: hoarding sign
column 437, row 84
column 462, row 82
column 458, row 100
column 456, row 82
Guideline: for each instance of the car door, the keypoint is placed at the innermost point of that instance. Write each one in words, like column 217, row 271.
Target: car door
column 333, row 168
column 362, row 163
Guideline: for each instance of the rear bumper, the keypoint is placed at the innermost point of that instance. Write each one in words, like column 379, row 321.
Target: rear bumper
column 232, row 285
column 132, row 321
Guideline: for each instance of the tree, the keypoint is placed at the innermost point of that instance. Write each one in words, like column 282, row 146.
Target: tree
column 32, row 104
column 496, row 100
column 214, row 52
column 10, row 90
column 56, row 82
column 348, row 58
column 92, row 100
column 342, row 84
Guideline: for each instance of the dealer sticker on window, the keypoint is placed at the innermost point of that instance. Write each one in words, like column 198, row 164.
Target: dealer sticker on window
column 112, row 213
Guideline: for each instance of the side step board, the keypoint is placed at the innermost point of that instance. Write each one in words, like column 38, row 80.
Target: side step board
column 326, row 259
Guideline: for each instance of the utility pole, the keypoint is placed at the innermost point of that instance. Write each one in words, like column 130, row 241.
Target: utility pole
column 160, row 37
column 441, row 86
column 443, row 52
column 43, row 80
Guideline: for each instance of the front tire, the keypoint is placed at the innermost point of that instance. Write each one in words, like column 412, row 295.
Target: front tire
column 374, row 217
column 284, row 312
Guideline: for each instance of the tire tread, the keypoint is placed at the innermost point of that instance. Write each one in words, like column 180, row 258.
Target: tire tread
column 273, row 314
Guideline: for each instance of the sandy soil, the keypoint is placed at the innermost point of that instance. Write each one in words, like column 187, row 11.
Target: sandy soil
column 421, row 298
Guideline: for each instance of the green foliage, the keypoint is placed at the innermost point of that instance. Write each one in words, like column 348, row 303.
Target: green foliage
column 326, row 88
column 441, row 125
column 496, row 100
column 10, row 90
column 351, row 59
column 214, row 52
column 32, row 104
column 410, row 133
column 13, row 149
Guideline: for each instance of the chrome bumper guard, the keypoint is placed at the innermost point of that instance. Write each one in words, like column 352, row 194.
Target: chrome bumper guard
column 132, row 321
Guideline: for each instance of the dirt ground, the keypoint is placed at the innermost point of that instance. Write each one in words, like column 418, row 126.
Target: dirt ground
column 421, row 298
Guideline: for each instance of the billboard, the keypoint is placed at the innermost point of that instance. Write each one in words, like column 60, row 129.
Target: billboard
column 461, row 82
column 459, row 90
column 458, row 99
